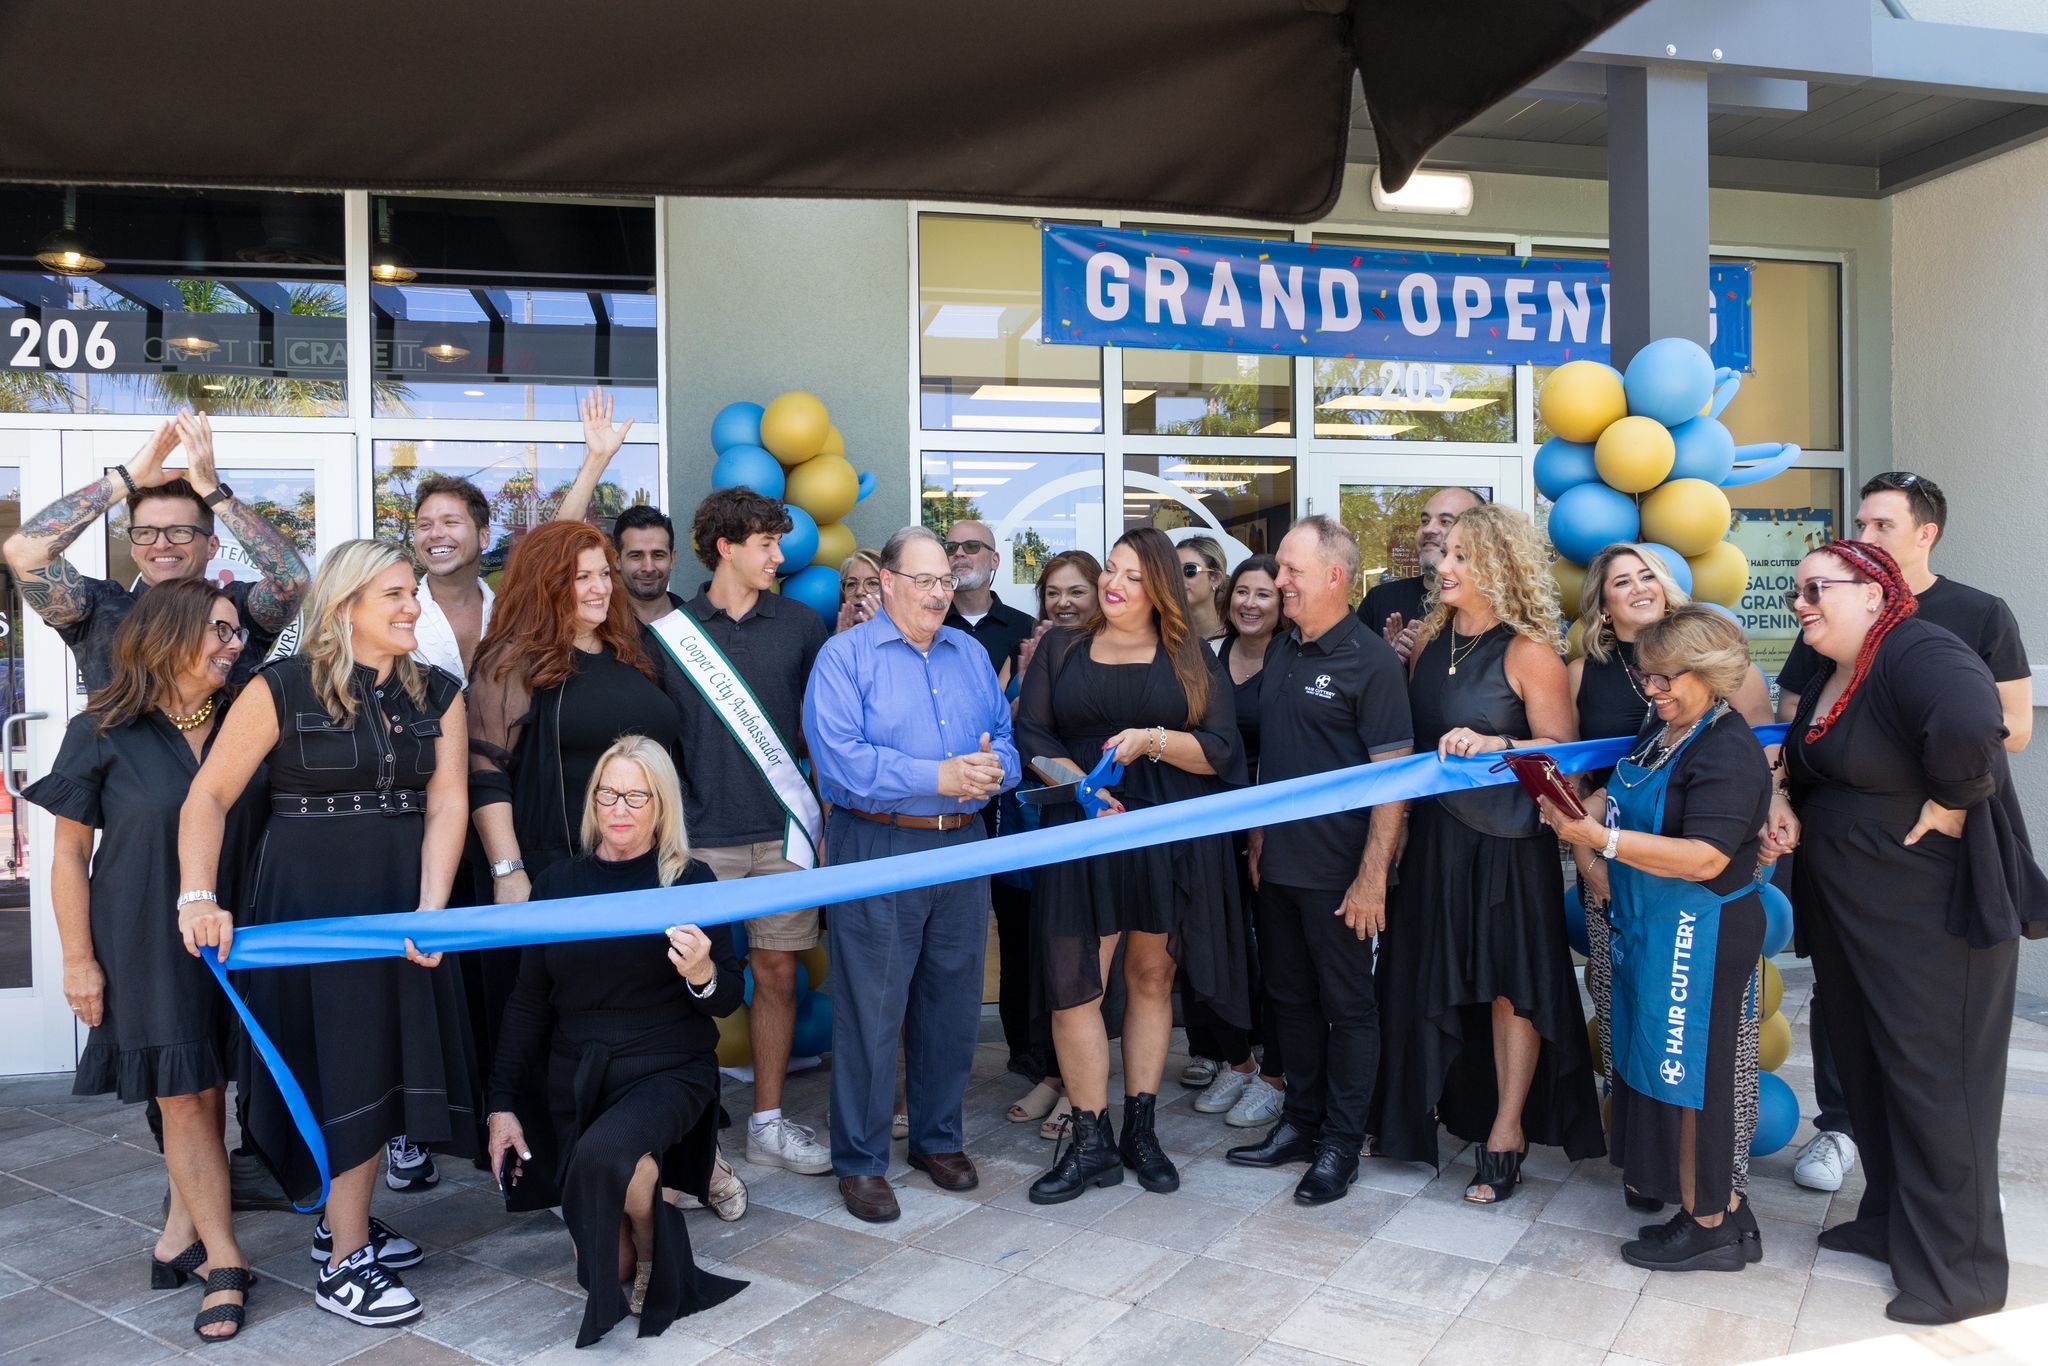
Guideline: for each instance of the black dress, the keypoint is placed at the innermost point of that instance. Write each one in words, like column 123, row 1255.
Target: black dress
column 1478, row 914
column 165, row 1026
column 628, row 1058
column 1915, row 949
column 381, row 1047
column 1187, row 889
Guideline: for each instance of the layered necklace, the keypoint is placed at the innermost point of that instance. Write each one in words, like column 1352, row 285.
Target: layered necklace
column 192, row 722
column 1656, row 751
column 1455, row 656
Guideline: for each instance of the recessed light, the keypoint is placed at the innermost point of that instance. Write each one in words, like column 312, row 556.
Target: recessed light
column 472, row 393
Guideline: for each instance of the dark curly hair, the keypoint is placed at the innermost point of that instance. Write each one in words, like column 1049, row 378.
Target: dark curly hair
column 733, row 515
column 472, row 498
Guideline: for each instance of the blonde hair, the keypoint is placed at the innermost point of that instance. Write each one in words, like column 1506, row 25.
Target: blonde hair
column 1599, row 638
column 671, row 840
column 329, row 647
column 1510, row 566
column 862, row 555
column 1696, row 640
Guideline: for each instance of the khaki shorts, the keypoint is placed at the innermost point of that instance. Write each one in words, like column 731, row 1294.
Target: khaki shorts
column 787, row 931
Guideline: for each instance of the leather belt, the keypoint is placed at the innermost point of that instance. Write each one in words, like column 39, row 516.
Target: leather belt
column 392, row 802
column 959, row 822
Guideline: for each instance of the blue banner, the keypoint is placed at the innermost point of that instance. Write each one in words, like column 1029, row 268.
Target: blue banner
column 1170, row 291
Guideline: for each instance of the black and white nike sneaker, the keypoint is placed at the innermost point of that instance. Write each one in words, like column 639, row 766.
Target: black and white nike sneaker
column 363, row 1292
column 387, row 1246
column 408, row 1168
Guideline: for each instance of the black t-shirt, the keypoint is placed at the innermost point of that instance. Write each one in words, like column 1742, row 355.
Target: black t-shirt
column 1333, row 702
column 1720, row 793
column 108, row 604
column 1395, row 595
column 1000, row 632
column 1984, row 623
column 726, row 801
column 603, row 700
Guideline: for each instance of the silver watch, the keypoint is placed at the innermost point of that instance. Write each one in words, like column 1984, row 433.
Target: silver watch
column 1613, row 843
column 506, row 867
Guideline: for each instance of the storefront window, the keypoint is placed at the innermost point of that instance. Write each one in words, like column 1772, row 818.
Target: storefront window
column 283, row 498
column 17, row 967
column 982, row 365
column 1384, row 518
column 1037, row 505
column 492, row 308
column 1245, row 500
column 1207, row 393
column 1778, row 523
column 523, row 480
column 1398, row 400
column 119, row 301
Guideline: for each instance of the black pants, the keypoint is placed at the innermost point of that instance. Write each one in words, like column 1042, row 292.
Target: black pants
column 1318, row 979
column 1013, row 973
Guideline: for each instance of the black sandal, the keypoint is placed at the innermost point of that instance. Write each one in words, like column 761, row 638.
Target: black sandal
column 1500, row 1172
column 224, row 1278
column 174, row 1273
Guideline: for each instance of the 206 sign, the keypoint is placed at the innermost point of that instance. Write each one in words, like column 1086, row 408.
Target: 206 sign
column 59, row 346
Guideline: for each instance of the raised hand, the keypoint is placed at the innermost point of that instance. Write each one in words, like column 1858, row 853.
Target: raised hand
column 146, row 466
column 195, row 434
column 599, row 435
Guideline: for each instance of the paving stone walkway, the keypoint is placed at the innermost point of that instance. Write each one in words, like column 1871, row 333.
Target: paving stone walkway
column 1227, row 1270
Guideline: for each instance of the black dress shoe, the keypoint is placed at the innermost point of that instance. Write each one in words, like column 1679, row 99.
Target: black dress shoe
column 1906, row 1308
column 1282, row 1144
column 1865, row 1237
column 1089, row 1159
column 1140, row 1149
column 1684, row 1245
column 1329, row 1177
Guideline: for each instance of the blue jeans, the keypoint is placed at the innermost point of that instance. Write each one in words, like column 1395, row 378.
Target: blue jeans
column 912, row 958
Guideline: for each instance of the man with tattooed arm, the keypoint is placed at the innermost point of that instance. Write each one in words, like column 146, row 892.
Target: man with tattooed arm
column 171, row 523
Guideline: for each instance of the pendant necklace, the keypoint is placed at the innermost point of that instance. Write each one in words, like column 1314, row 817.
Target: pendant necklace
column 192, row 722
column 1468, row 649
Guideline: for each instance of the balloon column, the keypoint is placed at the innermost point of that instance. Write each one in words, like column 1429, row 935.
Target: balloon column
column 1642, row 456
column 790, row 450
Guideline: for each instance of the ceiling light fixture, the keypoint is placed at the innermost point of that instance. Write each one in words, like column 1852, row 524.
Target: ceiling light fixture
column 64, row 251
column 1051, row 393
column 1382, row 403
column 1437, row 192
column 385, row 267
column 195, row 341
column 445, row 352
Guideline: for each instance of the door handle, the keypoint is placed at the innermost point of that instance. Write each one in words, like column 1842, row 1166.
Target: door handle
column 8, row 742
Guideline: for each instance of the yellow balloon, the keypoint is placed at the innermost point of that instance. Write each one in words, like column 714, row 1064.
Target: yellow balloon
column 1571, row 581
column 1574, row 640
column 1774, row 988
column 1774, row 1042
column 824, row 486
column 1689, row 515
column 1634, row 454
column 1721, row 575
column 1581, row 398
column 815, row 961
column 835, row 443
column 794, row 427
column 835, row 543
column 735, row 1042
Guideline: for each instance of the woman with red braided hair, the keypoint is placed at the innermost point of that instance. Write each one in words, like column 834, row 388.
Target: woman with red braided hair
column 1913, row 885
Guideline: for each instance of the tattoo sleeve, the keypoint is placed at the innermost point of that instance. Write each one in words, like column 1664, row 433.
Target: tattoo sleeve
column 65, row 520
column 56, row 592
column 273, row 602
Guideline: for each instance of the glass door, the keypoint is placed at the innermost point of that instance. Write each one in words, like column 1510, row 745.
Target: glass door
column 1381, row 497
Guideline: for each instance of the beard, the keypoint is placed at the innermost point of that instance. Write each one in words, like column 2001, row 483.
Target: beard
column 973, row 580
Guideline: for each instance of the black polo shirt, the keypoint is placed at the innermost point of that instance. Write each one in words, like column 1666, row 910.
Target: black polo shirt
column 1000, row 632
column 1333, row 702
column 1984, row 623
column 1395, row 595
column 726, row 801
column 108, row 604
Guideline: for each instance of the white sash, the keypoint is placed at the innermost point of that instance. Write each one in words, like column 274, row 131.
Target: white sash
column 734, row 704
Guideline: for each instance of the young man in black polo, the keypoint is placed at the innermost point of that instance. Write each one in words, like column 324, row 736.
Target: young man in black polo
column 1393, row 608
column 1332, row 695
column 743, row 822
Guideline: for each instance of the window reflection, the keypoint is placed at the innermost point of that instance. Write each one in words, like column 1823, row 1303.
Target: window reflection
column 1208, row 393
column 17, row 967
column 1384, row 518
column 1778, row 523
column 1037, row 505
column 1247, row 502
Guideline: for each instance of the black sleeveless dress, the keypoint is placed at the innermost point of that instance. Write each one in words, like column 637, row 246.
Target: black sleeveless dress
column 1478, row 914
column 381, row 1047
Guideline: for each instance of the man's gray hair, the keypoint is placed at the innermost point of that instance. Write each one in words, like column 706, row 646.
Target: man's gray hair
column 893, row 548
column 1334, row 542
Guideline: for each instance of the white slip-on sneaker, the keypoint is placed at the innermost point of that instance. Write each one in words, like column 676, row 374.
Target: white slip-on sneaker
column 1224, row 1092
column 784, row 1143
column 1827, row 1158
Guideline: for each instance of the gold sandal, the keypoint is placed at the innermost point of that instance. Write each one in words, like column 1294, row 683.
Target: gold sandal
column 1036, row 1104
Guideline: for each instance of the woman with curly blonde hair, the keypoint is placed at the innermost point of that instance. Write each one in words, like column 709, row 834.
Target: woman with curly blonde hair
column 1480, row 1022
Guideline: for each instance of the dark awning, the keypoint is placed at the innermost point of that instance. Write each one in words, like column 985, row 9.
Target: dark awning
column 1236, row 107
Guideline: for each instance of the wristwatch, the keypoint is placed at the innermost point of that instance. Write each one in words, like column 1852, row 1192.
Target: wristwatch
column 506, row 867
column 1613, row 843
column 221, row 494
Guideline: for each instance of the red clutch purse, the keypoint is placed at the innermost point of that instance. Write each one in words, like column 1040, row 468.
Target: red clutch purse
column 1538, row 775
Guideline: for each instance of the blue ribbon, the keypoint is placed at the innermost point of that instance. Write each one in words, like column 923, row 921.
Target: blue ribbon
column 625, row 914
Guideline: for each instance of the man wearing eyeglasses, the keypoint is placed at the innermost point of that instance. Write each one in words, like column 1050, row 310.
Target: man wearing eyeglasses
column 972, row 555
column 171, row 526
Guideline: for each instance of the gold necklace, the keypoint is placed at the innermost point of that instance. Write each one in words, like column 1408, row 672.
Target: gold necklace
column 192, row 722
column 1468, row 649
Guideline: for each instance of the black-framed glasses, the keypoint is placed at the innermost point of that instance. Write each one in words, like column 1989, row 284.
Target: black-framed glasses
column 1810, row 592
column 925, row 583
column 967, row 547
column 226, row 632
column 611, row 796
column 1662, row 682
column 176, row 535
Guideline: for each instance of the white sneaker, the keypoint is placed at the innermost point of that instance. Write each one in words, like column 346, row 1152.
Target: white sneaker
column 1224, row 1092
column 784, row 1143
column 1199, row 1072
column 1258, row 1106
column 408, row 1168
column 1824, row 1161
column 363, row 1292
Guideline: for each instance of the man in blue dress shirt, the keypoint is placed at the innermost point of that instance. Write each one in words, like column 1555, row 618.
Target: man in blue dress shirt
column 910, row 734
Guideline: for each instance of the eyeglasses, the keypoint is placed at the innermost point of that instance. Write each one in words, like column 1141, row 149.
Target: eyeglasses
column 1895, row 479
column 176, row 535
column 1662, row 682
column 862, row 587
column 226, row 631
column 1810, row 591
column 634, row 800
column 925, row 583
column 967, row 547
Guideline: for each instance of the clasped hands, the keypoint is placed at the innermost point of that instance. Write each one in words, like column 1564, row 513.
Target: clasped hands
column 972, row 777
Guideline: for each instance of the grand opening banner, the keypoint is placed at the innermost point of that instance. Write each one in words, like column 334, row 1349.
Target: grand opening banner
column 1184, row 292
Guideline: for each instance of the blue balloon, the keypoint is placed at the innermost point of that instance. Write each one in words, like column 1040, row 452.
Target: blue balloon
column 813, row 1037
column 816, row 587
column 1589, row 518
column 1562, row 464
column 1671, row 380
column 866, row 485
column 799, row 543
column 1706, row 450
column 737, row 424
column 803, row 983
column 1575, row 921
column 750, row 467
column 1777, row 1116
column 1777, row 920
column 1674, row 562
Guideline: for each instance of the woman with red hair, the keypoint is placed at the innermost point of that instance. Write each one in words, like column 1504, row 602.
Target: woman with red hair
column 1913, row 886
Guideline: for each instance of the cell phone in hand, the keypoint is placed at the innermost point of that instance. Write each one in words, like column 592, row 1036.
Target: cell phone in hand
column 508, row 1169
